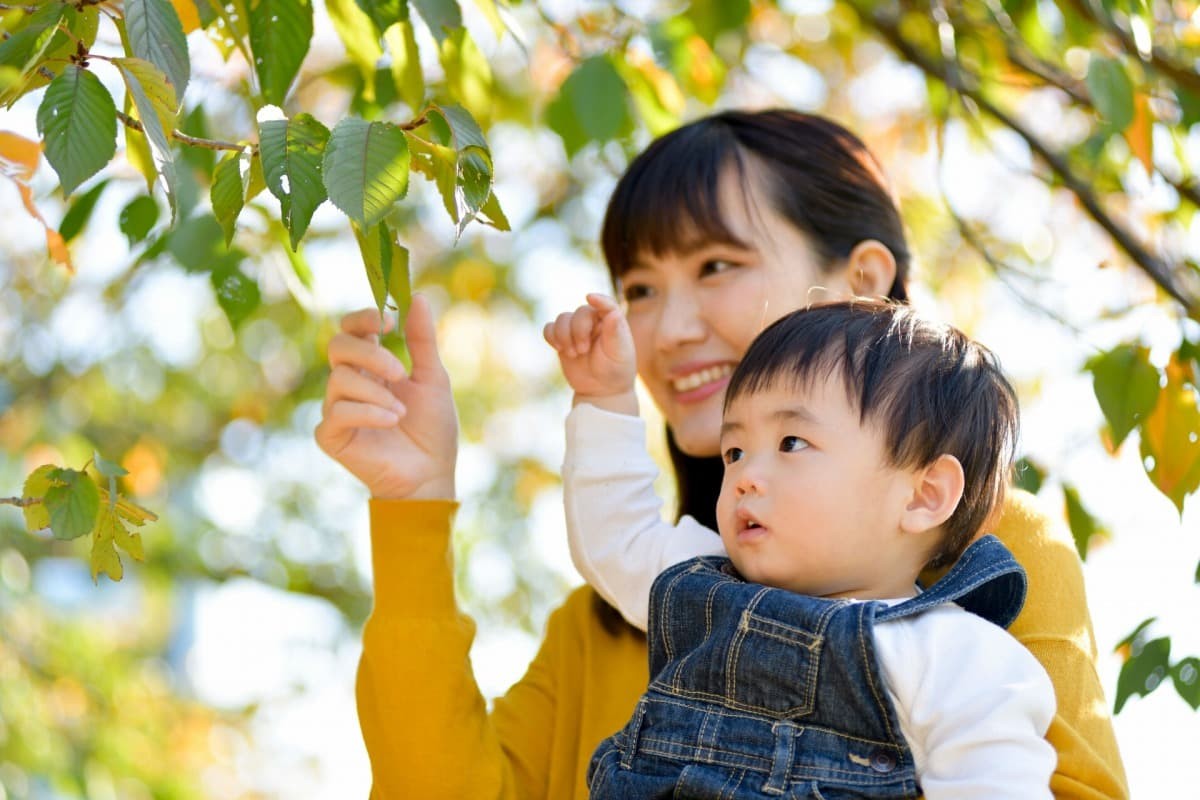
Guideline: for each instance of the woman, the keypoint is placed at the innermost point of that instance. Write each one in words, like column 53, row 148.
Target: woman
column 716, row 230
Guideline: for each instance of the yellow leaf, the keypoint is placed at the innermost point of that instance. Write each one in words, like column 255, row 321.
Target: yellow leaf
column 19, row 160
column 104, row 555
column 188, row 15
column 137, row 149
column 37, row 484
column 1171, row 437
column 128, row 510
column 20, row 152
column 1139, row 134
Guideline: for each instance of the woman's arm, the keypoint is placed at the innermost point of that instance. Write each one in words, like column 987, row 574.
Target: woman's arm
column 617, row 536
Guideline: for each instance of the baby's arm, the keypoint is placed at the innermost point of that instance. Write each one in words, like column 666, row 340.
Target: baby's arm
column 974, row 705
column 617, row 537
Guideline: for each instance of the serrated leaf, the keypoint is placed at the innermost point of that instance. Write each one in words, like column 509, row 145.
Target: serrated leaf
column 1083, row 525
column 78, row 25
column 77, row 216
column 386, row 263
column 156, row 105
column 78, row 122
column 104, row 556
column 366, row 169
column 73, row 504
column 237, row 294
column 280, row 34
column 1186, row 675
column 384, row 13
column 442, row 16
column 228, row 192
column 293, row 153
column 1126, row 386
column 37, row 517
column 1170, row 445
column 1144, row 671
column 156, row 35
column 357, row 33
column 137, row 218
column 401, row 43
column 1111, row 90
column 471, row 176
column 591, row 106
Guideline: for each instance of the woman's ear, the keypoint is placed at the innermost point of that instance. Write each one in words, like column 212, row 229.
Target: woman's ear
column 935, row 494
column 870, row 269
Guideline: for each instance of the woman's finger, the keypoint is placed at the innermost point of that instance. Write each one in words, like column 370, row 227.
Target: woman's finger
column 344, row 417
column 420, row 332
column 358, row 353
column 366, row 323
column 346, row 383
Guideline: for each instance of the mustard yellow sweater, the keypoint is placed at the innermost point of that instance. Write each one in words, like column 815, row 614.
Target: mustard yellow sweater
column 429, row 734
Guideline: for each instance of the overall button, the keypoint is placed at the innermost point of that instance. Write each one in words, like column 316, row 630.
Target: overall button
column 883, row 761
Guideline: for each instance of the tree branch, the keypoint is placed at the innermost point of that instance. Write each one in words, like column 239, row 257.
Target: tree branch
column 20, row 502
column 966, row 85
column 194, row 141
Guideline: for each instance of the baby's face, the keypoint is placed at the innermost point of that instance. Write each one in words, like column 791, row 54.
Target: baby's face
column 809, row 502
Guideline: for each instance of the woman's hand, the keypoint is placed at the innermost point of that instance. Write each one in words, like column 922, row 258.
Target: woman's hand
column 395, row 432
column 595, row 349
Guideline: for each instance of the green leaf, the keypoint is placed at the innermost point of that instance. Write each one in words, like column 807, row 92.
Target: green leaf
column 25, row 49
column 442, row 16
column 292, row 152
column 198, row 244
column 72, row 504
column 156, row 35
column 357, row 33
column 384, row 13
column 108, row 468
column 1126, row 385
column 406, row 63
column 156, row 105
column 1144, row 671
column 592, row 105
column 366, row 169
column 80, row 212
column 1112, row 91
column 138, row 218
column 1028, row 476
column 78, row 120
column 1083, row 525
column 493, row 215
column 459, row 144
column 468, row 73
column 228, row 193
column 37, row 517
column 1186, row 676
column 280, row 34
column 386, row 262
column 237, row 294
column 714, row 17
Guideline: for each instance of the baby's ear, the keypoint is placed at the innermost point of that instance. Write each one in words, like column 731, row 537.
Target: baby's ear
column 937, row 489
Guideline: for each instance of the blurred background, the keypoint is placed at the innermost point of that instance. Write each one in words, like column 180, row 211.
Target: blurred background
column 223, row 665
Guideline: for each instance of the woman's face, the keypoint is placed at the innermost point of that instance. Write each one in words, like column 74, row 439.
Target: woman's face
column 694, row 314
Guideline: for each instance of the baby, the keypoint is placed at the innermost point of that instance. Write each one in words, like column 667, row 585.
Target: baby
column 795, row 654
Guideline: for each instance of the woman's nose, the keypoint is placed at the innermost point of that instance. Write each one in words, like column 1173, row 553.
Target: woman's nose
column 681, row 320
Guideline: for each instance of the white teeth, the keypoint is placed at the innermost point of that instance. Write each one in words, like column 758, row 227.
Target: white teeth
column 752, row 524
column 698, row 379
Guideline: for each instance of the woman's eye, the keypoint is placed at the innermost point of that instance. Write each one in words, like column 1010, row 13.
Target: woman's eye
column 715, row 266
column 732, row 454
column 790, row 444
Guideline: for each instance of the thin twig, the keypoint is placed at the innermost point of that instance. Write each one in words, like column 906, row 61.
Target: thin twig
column 22, row 502
column 194, row 141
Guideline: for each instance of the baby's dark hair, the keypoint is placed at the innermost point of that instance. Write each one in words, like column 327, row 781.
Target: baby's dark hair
column 930, row 388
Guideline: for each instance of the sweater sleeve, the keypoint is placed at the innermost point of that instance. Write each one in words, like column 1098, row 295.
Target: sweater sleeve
column 424, row 721
column 974, row 706
column 617, row 537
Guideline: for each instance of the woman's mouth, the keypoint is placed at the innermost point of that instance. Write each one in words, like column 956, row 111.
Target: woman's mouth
column 702, row 383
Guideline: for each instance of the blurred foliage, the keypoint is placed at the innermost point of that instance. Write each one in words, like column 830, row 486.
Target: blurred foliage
column 164, row 314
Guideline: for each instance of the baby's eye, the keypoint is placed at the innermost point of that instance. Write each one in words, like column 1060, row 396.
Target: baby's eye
column 790, row 444
column 732, row 454
column 635, row 291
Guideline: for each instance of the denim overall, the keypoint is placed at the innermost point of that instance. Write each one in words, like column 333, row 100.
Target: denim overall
column 758, row 692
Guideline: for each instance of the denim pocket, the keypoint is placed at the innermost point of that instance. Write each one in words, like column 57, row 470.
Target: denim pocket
column 773, row 667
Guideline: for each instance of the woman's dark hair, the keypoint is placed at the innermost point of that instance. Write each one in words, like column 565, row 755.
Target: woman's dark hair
column 818, row 176
column 930, row 389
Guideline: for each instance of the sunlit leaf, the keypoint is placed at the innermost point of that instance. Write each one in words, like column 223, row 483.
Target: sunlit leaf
column 227, row 24
column 280, row 33
column 386, row 262
column 592, row 105
column 38, row 482
column 1126, row 386
column 1171, row 437
column 72, row 504
column 358, row 34
column 24, row 49
column 655, row 92
column 468, row 74
column 78, row 122
column 459, row 162
column 292, row 153
column 156, row 104
column 1140, row 133
column 189, row 15
column 1111, row 90
column 442, row 16
column 492, row 14
column 137, row 218
column 128, row 510
column 714, row 17
column 237, row 294
column 156, row 35
column 384, row 13
column 228, row 192
column 366, row 169
column 77, row 216
column 1084, row 526
column 104, row 556
column 406, row 63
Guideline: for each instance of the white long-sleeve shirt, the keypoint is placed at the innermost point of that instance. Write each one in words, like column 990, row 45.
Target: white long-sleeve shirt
column 973, row 703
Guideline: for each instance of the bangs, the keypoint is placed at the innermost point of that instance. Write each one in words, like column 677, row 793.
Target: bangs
column 668, row 200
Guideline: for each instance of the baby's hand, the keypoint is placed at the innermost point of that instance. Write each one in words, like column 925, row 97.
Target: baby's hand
column 595, row 348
